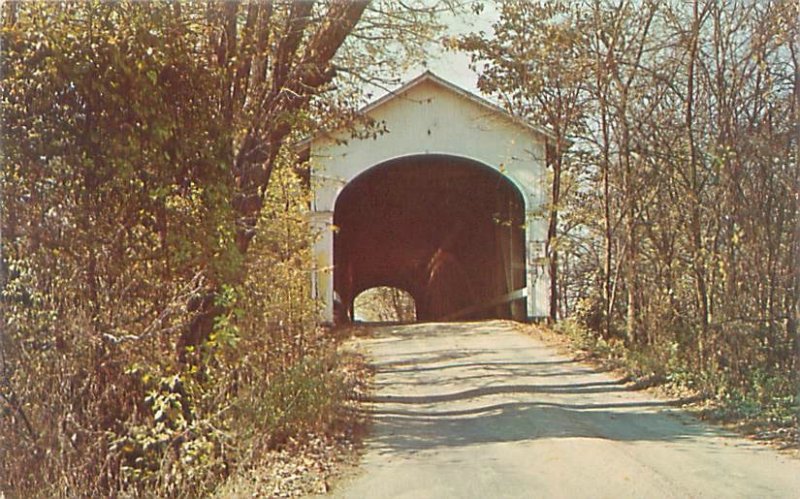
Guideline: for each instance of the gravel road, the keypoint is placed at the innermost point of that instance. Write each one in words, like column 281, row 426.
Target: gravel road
column 483, row 410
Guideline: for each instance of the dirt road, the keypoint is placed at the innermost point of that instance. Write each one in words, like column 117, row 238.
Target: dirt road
column 481, row 410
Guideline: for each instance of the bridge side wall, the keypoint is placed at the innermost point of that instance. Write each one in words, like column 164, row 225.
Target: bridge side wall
column 429, row 119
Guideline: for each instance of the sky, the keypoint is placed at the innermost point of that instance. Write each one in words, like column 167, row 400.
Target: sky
column 454, row 66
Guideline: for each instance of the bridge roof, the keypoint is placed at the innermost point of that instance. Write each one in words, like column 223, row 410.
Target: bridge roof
column 430, row 77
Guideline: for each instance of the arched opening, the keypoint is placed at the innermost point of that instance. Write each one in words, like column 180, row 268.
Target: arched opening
column 448, row 230
column 384, row 304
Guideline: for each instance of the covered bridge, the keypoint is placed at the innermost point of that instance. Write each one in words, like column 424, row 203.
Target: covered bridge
column 449, row 204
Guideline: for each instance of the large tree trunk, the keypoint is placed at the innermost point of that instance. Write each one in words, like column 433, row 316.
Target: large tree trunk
column 296, row 77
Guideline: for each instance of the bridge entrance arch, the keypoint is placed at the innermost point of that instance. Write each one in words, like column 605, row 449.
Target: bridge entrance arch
column 449, row 204
column 449, row 230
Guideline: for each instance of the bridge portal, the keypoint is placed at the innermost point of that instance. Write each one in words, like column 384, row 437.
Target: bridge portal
column 450, row 205
column 450, row 231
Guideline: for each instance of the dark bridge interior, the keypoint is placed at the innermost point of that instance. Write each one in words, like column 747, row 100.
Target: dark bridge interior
column 447, row 230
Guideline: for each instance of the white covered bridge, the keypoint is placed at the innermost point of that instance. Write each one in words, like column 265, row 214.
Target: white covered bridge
column 450, row 205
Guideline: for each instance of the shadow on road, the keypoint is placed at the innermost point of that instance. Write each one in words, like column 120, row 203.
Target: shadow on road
column 411, row 431
column 574, row 388
column 483, row 410
column 441, row 395
column 390, row 367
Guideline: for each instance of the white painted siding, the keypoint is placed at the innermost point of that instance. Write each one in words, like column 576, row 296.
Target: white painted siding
column 430, row 118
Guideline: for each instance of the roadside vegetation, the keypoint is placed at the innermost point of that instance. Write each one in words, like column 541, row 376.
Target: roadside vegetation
column 158, row 333
column 674, row 239
column 96, row 407
column 766, row 410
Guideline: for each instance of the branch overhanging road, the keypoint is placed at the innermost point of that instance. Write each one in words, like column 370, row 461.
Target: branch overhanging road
column 482, row 410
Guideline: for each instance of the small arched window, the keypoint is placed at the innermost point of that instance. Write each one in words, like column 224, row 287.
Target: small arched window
column 384, row 304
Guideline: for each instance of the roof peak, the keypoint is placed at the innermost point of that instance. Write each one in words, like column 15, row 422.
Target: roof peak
column 429, row 75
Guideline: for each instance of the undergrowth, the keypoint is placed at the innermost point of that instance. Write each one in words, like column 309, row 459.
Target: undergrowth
column 759, row 400
column 95, row 401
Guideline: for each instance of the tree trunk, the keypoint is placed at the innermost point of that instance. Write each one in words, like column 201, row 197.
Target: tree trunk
column 608, row 241
column 296, row 78
column 695, row 223
column 552, row 230
column 793, row 323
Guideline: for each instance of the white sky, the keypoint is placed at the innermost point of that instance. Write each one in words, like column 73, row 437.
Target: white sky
column 454, row 66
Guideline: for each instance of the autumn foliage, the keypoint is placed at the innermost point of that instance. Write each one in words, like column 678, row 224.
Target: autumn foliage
column 675, row 180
